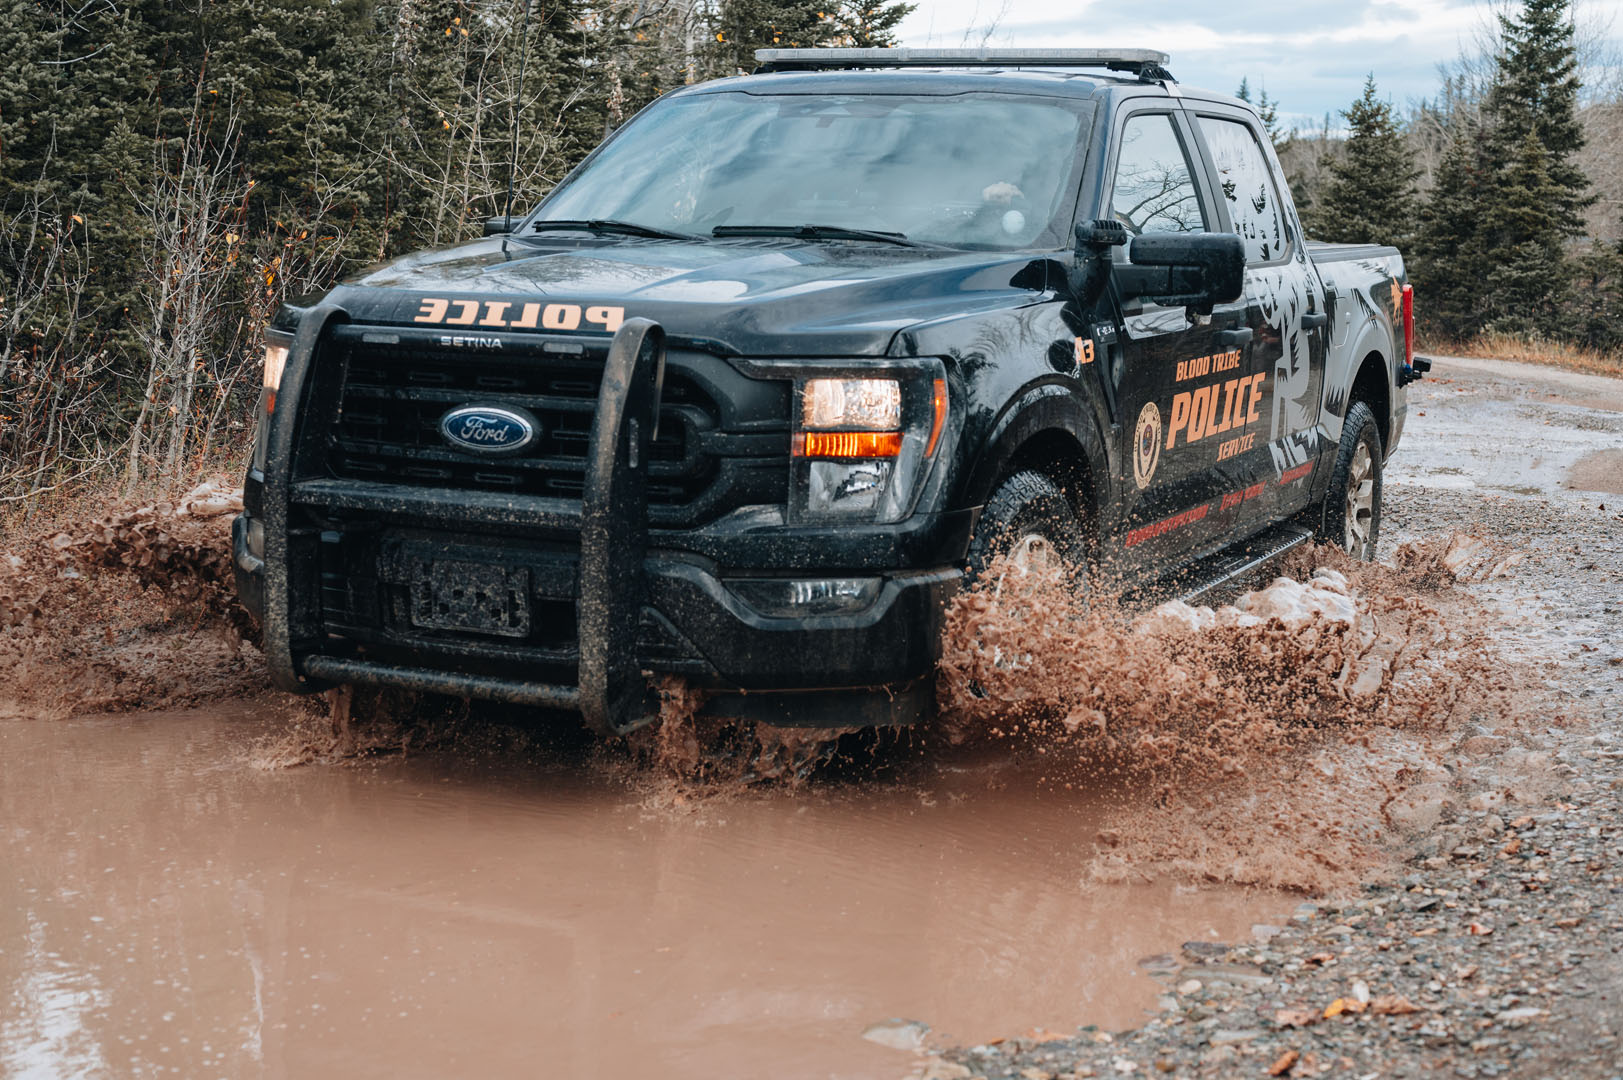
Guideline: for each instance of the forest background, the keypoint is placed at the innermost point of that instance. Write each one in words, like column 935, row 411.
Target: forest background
column 171, row 172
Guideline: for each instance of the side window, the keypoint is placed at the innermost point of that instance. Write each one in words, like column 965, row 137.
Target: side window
column 1154, row 191
column 1248, row 185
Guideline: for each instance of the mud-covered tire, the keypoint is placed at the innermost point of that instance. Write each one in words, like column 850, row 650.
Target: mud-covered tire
column 1352, row 506
column 1028, row 508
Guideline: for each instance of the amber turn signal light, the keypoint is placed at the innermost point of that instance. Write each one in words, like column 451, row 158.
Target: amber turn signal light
column 848, row 444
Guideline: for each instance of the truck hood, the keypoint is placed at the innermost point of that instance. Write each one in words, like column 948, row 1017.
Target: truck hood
column 765, row 297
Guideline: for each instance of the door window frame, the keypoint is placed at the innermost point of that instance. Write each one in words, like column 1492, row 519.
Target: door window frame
column 1193, row 153
column 1287, row 206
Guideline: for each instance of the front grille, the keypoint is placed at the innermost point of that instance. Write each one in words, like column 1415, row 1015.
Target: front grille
column 394, row 393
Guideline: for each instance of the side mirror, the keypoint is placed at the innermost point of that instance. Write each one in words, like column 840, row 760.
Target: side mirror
column 1189, row 269
column 500, row 226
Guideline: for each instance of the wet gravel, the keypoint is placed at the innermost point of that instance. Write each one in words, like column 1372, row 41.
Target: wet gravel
column 1492, row 946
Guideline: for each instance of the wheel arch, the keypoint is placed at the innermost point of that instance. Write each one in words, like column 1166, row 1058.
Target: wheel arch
column 1048, row 432
column 1372, row 386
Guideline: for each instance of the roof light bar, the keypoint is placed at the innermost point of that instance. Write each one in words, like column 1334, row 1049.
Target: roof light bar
column 1145, row 63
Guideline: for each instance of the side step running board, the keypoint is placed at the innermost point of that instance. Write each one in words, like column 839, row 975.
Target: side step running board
column 1238, row 562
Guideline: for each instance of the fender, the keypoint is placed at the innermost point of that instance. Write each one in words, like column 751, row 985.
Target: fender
column 1344, row 363
column 1047, row 408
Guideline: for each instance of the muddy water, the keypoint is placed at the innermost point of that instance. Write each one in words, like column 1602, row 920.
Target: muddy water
column 167, row 908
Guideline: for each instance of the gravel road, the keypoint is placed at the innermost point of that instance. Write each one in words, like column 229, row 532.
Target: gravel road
column 1491, row 947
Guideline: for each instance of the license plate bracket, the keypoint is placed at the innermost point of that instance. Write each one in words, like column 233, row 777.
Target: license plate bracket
column 471, row 597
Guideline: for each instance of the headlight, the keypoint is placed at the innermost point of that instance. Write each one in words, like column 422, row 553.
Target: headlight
column 861, row 404
column 862, row 443
column 276, row 346
column 275, row 361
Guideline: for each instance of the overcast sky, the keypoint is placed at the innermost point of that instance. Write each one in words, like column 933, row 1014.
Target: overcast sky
column 1312, row 55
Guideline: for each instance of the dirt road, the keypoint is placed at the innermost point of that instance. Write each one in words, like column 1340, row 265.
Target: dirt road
column 174, row 901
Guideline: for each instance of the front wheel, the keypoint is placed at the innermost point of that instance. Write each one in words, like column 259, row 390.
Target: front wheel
column 1352, row 508
column 1029, row 520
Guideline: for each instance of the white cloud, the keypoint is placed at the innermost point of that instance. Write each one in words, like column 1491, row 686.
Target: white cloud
column 1311, row 56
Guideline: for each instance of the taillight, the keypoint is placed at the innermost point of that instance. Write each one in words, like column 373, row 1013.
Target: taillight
column 1408, row 326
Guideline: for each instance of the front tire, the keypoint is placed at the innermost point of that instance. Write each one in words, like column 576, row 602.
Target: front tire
column 1352, row 507
column 1029, row 519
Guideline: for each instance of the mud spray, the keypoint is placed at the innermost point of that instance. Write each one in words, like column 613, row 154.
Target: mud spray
column 1270, row 742
column 1278, row 741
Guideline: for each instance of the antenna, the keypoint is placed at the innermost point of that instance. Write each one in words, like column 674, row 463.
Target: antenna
column 518, row 105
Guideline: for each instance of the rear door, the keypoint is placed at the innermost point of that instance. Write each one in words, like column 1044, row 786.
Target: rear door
column 1264, row 459
column 1158, row 186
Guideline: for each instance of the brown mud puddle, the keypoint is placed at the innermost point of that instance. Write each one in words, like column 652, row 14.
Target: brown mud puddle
column 166, row 905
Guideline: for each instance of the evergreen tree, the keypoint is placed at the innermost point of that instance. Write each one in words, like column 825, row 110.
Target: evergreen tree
column 1592, row 311
column 870, row 24
column 1535, row 91
column 1268, row 110
column 1448, row 259
column 1370, row 198
column 1507, row 193
column 1527, row 276
column 738, row 27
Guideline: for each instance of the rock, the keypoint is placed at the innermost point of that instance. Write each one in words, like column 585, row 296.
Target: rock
column 936, row 1069
column 1483, row 745
column 1265, row 932
column 1518, row 1016
column 1283, row 1063
column 1234, row 1037
column 898, row 1034
column 1230, row 973
column 1189, row 986
column 1393, row 1005
column 1202, row 950
column 1421, row 807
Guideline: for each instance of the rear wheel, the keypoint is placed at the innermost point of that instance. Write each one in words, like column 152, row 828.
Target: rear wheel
column 1352, row 509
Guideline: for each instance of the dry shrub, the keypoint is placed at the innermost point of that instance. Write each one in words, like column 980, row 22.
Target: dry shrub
column 1500, row 346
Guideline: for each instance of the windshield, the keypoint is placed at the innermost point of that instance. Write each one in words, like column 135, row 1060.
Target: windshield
column 966, row 170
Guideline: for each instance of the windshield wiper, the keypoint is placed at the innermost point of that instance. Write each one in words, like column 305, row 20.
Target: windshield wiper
column 816, row 232
column 608, row 225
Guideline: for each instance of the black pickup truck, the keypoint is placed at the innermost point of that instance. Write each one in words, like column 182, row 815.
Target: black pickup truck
column 789, row 359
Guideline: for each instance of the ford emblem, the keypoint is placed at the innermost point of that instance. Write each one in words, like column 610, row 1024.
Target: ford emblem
column 489, row 429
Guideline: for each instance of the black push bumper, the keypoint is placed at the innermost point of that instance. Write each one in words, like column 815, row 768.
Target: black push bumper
column 335, row 568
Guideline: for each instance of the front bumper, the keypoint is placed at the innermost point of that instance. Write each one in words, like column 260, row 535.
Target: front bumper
column 690, row 622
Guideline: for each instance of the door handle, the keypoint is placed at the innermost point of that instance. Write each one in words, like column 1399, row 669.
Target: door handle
column 1313, row 320
column 1240, row 336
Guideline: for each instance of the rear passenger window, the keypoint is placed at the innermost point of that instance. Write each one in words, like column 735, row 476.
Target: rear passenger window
column 1248, row 186
column 1154, row 191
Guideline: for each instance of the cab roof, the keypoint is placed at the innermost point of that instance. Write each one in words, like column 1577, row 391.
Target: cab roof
column 1080, row 73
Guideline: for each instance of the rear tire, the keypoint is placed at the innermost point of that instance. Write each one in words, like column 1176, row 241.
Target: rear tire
column 1028, row 518
column 1352, row 506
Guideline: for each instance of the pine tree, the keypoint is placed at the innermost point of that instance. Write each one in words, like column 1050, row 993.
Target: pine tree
column 1370, row 198
column 1267, row 110
column 738, row 27
column 1535, row 91
column 1448, row 261
column 870, row 24
column 1528, row 274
